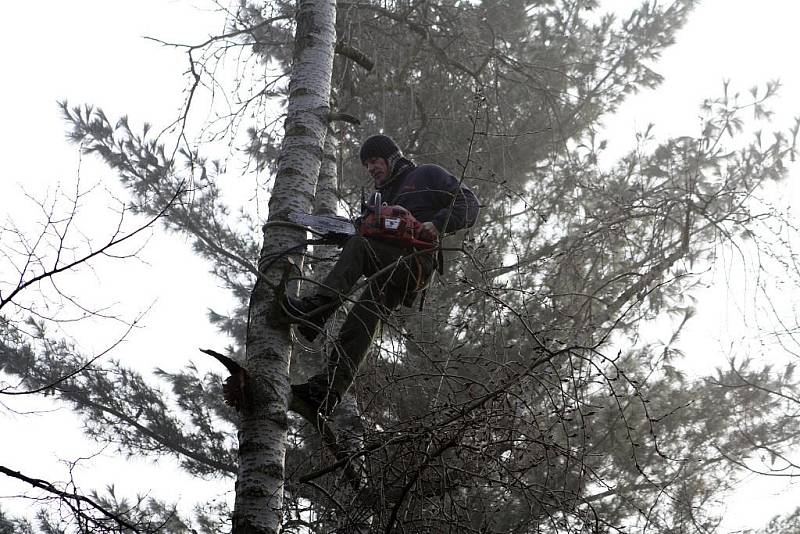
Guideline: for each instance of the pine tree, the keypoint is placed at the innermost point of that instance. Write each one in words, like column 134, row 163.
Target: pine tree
column 518, row 399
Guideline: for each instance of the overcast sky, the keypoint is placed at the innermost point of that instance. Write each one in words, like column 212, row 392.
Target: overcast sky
column 93, row 51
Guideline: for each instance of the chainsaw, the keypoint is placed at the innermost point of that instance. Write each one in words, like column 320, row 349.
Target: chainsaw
column 388, row 223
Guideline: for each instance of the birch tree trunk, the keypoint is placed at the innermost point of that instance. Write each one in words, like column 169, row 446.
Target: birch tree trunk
column 326, row 198
column 263, row 427
column 347, row 419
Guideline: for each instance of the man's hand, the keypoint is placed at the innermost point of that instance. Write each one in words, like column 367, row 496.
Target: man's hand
column 428, row 232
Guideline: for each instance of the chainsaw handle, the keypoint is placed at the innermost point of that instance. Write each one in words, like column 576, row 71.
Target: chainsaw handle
column 376, row 207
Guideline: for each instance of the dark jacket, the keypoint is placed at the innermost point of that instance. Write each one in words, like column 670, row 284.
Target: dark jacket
column 432, row 194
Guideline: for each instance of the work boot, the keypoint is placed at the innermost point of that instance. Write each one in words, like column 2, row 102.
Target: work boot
column 310, row 313
column 314, row 397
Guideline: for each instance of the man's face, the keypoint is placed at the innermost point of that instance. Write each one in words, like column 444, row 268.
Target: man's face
column 378, row 169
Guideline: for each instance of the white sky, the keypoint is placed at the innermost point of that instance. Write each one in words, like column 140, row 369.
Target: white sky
column 92, row 51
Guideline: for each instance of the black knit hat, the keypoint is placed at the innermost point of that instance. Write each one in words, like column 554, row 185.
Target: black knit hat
column 380, row 146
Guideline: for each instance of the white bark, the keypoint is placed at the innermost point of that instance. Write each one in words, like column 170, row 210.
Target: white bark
column 262, row 432
column 326, row 198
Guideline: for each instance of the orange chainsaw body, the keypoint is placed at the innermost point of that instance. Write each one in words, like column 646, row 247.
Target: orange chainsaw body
column 393, row 223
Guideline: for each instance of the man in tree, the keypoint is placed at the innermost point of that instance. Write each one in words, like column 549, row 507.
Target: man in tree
column 397, row 272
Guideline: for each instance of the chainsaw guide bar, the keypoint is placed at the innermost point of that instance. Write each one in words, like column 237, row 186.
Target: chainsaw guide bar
column 329, row 227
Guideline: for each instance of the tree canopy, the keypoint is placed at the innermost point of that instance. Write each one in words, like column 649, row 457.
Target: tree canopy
column 522, row 397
